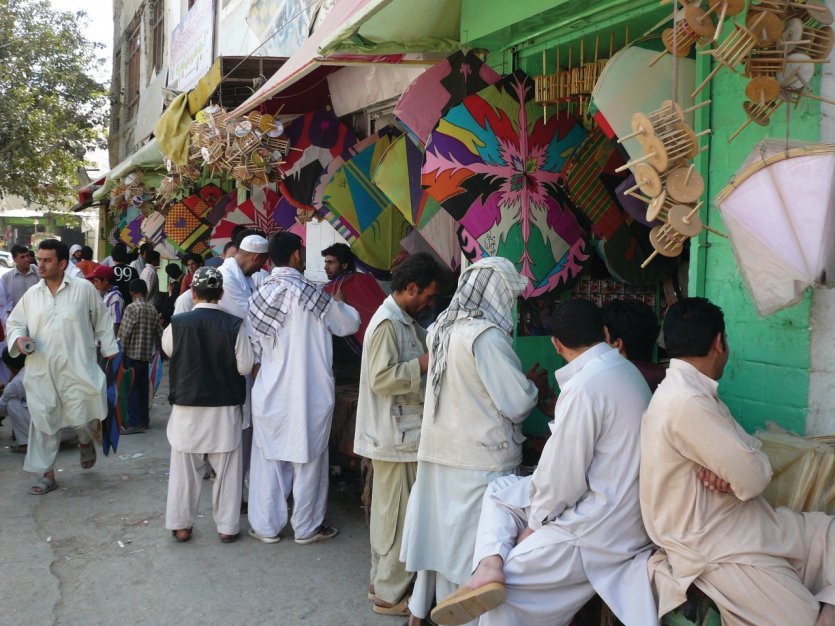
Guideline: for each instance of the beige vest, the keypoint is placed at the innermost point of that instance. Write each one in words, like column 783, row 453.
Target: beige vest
column 388, row 427
column 467, row 430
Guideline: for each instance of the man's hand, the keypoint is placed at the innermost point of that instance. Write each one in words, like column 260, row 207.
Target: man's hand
column 713, row 482
column 423, row 361
column 539, row 377
column 524, row 535
column 21, row 343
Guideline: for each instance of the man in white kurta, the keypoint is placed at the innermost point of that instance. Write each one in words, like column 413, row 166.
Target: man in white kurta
column 63, row 317
column 574, row 528
column 477, row 397
column 292, row 320
column 238, row 287
column 702, row 477
column 197, row 432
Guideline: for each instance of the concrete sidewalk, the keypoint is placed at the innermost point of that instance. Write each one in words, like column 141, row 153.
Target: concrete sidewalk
column 95, row 551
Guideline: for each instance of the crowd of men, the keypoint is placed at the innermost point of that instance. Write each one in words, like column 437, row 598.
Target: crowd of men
column 640, row 491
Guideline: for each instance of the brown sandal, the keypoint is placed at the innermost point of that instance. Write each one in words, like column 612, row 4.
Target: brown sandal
column 182, row 538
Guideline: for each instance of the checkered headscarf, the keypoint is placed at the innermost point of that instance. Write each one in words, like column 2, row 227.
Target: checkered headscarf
column 487, row 290
column 271, row 302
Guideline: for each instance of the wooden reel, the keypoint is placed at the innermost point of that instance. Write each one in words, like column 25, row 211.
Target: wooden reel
column 762, row 89
column 545, row 89
column 766, row 26
column 659, row 208
column 725, row 8
column 758, row 113
column 648, row 180
column 683, row 222
column 695, row 27
column 816, row 42
column 776, row 7
column 799, row 70
column 654, row 153
column 684, row 184
column 733, row 50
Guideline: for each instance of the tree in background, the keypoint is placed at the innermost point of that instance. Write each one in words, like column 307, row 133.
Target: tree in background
column 51, row 110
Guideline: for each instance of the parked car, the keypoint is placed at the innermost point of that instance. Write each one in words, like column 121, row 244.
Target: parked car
column 6, row 258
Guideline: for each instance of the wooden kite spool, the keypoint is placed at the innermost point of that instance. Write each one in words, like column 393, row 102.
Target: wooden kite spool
column 680, row 143
column 683, row 222
column 777, row 7
column 766, row 26
column 816, row 42
column 762, row 89
column 725, row 8
column 733, row 50
column 679, row 40
column 660, row 207
column 654, row 153
column 799, row 70
column 684, row 184
column 758, row 113
column 766, row 62
column 649, row 181
column 816, row 15
column 545, row 89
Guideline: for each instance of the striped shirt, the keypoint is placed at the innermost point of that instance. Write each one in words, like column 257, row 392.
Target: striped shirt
column 115, row 303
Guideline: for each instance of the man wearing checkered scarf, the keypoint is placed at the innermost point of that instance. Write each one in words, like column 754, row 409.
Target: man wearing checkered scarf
column 477, row 397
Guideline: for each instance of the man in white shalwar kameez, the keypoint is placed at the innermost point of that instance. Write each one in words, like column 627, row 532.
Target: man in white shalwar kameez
column 702, row 478
column 238, row 287
column 210, row 355
column 292, row 320
column 63, row 318
column 477, row 397
column 552, row 540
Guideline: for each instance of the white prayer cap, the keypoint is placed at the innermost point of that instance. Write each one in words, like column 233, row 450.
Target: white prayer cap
column 254, row 243
column 74, row 248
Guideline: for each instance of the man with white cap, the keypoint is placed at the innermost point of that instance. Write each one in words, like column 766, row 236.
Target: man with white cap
column 477, row 397
column 292, row 321
column 210, row 355
column 238, row 287
column 75, row 257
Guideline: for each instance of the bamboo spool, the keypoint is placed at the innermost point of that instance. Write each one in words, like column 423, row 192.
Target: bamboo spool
column 765, row 62
column 816, row 42
column 814, row 14
column 776, row 7
column 733, row 50
column 660, row 207
column 679, row 143
column 684, row 184
column 654, row 154
column 762, row 89
column 647, row 180
column 678, row 41
column 799, row 70
column 766, row 26
column 792, row 34
column 683, row 222
column 255, row 118
column 725, row 8
column 758, row 113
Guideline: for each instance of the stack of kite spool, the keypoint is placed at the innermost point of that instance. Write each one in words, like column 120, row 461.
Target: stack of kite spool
column 666, row 177
column 776, row 49
column 249, row 150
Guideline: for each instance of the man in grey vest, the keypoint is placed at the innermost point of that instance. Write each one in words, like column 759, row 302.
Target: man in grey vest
column 210, row 355
column 392, row 385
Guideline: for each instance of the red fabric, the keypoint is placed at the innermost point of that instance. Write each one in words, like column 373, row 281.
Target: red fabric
column 363, row 293
column 86, row 267
column 185, row 283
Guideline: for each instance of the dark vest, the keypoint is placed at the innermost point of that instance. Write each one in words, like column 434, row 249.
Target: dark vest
column 204, row 371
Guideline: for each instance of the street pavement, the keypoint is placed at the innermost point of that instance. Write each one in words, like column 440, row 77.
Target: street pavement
column 95, row 551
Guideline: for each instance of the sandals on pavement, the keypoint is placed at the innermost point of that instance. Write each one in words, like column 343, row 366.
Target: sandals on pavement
column 229, row 538
column 465, row 604
column 323, row 533
column 88, row 455
column 43, row 486
column 400, row 609
column 182, row 538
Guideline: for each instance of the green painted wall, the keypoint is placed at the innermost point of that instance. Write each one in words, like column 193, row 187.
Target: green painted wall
column 767, row 377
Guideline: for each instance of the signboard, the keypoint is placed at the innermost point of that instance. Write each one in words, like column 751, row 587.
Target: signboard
column 191, row 46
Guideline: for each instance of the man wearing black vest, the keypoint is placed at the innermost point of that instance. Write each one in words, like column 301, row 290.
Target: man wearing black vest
column 210, row 355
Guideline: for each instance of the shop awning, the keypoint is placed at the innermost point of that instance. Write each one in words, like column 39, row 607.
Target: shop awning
column 148, row 159
column 359, row 32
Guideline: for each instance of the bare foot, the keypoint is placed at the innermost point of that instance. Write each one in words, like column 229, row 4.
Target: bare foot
column 827, row 616
column 415, row 621
column 490, row 570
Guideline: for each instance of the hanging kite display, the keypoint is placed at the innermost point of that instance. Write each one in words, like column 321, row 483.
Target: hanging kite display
column 494, row 165
column 350, row 200
column 441, row 87
column 779, row 213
